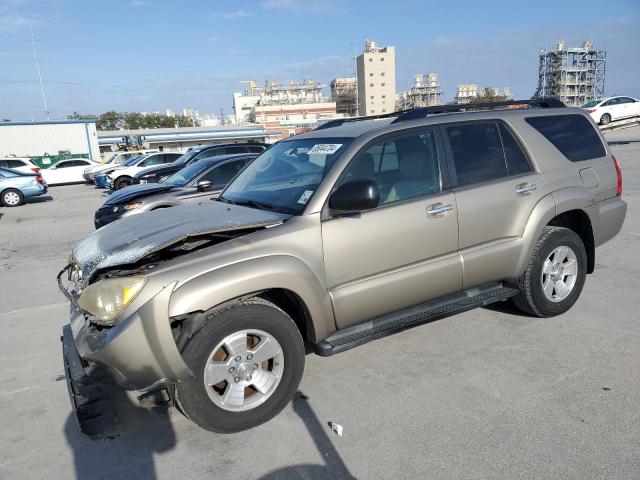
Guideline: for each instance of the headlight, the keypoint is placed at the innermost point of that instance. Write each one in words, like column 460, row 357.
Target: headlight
column 107, row 298
column 132, row 206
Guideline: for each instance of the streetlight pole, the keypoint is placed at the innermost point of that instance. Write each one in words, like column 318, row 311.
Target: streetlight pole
column 35, row 54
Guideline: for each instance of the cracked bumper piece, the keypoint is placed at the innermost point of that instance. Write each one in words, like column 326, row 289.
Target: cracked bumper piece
column 139, row 350
column 91, row 407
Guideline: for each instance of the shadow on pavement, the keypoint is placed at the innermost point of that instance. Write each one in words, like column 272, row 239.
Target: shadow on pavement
column 334, row 467
column 127, row 452
column 40, row 199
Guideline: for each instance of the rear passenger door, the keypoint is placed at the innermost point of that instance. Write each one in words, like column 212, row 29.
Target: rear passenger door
column 496, row 188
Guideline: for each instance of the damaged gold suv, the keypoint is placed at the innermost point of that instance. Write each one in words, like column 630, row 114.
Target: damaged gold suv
column 331, row 239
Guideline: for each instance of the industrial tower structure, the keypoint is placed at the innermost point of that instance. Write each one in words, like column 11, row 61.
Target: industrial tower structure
column 572, row 75
column 422, row 93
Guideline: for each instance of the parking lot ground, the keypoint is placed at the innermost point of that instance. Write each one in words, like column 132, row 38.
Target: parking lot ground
column 485, row 394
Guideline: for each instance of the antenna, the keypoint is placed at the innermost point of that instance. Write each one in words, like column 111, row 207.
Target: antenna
column 35, row 54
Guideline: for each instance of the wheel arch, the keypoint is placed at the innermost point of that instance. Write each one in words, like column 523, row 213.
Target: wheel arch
column 578, row 221
column 284, row 280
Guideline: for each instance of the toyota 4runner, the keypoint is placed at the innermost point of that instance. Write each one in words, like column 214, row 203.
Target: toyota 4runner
column 331, row 239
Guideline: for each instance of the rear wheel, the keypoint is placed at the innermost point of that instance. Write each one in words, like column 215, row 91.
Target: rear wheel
column 122, row 182
column 11, row 197
column 248, row 360
column 605, row 119
column 555, row 275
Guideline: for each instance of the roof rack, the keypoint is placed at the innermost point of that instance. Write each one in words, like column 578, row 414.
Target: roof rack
column 341, row 121
column 421, row 112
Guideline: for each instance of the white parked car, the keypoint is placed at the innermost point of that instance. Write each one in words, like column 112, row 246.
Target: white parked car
column 608, row 109
column 24, row 165
column 118, row 158
column 122, row 176
column 67, row 171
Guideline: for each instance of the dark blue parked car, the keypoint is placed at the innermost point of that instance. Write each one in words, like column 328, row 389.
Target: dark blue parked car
column 15, row 186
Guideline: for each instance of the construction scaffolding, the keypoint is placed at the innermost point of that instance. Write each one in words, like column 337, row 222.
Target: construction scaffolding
column 343, row 92
column 293, row 93
column 422, row 93
column 572, row 75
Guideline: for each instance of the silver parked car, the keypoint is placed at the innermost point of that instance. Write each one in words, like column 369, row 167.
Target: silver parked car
column 191, row 185
column 335, row 238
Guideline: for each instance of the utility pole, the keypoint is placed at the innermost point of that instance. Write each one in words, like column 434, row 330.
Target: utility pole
column 35, row 54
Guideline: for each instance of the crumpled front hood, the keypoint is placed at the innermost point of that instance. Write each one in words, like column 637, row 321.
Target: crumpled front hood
column 135, row 191
column 132, row 238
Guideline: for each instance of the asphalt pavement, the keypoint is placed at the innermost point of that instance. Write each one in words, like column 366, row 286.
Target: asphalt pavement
column 485, row 394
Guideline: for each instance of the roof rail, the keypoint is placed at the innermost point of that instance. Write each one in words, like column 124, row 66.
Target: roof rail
column 421, row 112
column 341, row 121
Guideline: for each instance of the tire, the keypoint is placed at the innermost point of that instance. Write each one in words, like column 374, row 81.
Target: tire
column 605, row 119
column 122, row 182
column 205, row 405
column 11, row 197
column 545, row 267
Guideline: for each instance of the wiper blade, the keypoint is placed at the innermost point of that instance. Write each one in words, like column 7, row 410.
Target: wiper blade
column 256, row 204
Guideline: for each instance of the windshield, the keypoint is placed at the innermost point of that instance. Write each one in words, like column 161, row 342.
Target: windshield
column 132, row 161
column 187, row 174
column 111, row 158
column 184, row 158
column 590, row 104
column 285, row 177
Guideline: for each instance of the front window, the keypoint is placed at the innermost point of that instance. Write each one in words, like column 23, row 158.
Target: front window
column 285, row 177
column 590, row 104
column 184, row 176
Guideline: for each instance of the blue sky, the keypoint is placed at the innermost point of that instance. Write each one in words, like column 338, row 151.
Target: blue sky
column 134, row 55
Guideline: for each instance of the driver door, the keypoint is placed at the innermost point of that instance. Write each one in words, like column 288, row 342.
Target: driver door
column 404, row 252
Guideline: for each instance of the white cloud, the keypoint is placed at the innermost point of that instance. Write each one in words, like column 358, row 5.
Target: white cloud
column 235, row 14
column 281, row 5
column 13, row 22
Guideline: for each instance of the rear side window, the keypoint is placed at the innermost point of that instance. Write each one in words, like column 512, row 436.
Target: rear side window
column 573, row 135
column 517, row 162
column 477, row 152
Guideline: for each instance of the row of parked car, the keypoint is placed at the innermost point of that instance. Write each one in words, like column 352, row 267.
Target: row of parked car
column 21, row 178
column 153, row 180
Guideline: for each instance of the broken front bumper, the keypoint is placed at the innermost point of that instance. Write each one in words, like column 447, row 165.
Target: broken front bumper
column 91, row 408
column 139, row 351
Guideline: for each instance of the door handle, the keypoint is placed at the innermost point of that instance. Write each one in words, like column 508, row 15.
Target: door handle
column 438, row 209
column 525, row 188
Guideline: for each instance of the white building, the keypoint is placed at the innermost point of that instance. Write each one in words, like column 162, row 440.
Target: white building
column 49, row 139
column 376, row 68
column 466, row 92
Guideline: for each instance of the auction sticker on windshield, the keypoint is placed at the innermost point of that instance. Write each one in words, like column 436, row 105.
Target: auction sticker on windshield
column 325, row 148
column 304, row 198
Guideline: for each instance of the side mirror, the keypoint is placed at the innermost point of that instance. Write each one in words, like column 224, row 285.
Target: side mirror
column 355, row 196
column 204, row 185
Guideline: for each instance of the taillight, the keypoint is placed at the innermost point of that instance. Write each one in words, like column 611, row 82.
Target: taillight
column 619, row 174
column 35, row 169
column 39, row 179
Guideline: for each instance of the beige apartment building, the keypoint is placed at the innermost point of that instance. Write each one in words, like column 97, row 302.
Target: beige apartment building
column 376, row 68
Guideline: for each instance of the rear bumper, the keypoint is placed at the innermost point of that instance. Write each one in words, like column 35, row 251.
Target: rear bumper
column 89, row 403
column 34, row 191
column 607, row 218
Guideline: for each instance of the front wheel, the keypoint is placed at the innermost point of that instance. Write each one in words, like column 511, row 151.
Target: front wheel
column 122, row 182
column 605, row 119
column 248, row 360
column 554, row 278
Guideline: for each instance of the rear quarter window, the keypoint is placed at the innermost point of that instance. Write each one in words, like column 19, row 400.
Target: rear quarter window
column 572, row 135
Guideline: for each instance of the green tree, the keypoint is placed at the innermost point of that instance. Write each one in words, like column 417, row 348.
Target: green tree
column 111, row 120
column 489, row 94
column 80, row 116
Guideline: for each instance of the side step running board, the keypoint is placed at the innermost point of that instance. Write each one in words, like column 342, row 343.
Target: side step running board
column 411, row 317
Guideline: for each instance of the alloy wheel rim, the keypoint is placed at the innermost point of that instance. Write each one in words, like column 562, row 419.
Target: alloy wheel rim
column 243, row 370
column 559, row 274
column 11, row 198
